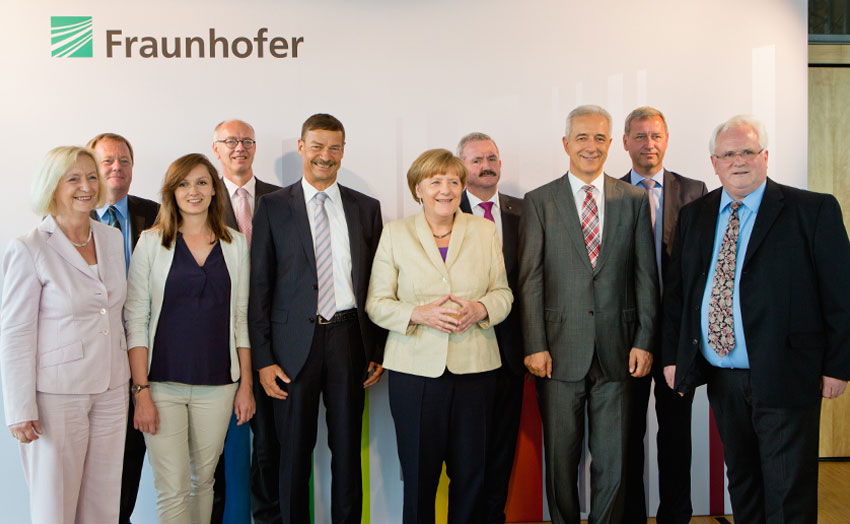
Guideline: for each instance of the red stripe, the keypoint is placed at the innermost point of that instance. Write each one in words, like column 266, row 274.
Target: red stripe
column 525, row 493
column 716, row 485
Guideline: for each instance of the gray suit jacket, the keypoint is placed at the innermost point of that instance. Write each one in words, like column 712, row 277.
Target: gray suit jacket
column 572, row 309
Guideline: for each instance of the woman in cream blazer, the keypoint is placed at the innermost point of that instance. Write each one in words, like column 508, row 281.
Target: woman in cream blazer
column 62, row 346
column 187, row 328
column 439, row 285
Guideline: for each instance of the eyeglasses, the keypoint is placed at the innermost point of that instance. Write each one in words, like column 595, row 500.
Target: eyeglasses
column 746, row 155
column 247, row 143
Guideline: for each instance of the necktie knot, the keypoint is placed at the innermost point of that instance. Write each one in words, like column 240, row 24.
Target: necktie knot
column 321, row 197
column 648, row 184
column 588, row 191
column 488, row 210
column 735, row 205
column 242, row 192
column 112, row 217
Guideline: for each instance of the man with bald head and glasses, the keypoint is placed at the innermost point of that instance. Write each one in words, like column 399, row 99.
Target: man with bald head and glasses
column 757, row 305
column 234, row 144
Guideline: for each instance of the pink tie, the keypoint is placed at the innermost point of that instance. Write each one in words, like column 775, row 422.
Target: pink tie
column 590, row 225
column 488, row 210
column 243, row 213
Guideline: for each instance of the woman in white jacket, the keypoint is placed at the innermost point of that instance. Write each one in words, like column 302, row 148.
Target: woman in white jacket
column 186, row 320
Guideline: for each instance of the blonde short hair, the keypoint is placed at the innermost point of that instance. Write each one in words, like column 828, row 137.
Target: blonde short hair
column 434, row 162
column 57, row 162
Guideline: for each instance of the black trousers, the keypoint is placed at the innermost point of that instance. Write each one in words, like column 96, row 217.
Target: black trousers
column 134, row 458
column 501, row 443
column 674, row 451
column 436, row 420
column 335, row 369
column 771, row 454
column 265, row 460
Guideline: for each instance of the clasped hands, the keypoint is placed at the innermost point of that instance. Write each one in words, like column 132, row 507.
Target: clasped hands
column 449, row 320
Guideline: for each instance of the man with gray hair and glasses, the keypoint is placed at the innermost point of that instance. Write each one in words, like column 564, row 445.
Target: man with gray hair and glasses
column 588, row 297
column 645, row 140
column 235, row 145
column 757, row 305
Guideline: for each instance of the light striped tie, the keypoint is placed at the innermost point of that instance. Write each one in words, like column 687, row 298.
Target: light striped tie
column 324, row 259
column 590, row 225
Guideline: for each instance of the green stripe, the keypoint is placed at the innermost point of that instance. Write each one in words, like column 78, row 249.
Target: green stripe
column 310, row 491
column 364, row 463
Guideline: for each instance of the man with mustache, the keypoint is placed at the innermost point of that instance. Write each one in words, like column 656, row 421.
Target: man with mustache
column 132, row 215
column 482, row 198
column 235, row 145
column 588, row 299
column 645, row 140
column 311, row 258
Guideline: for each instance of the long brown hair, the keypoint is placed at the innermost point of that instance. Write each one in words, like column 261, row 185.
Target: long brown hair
column 169, row 219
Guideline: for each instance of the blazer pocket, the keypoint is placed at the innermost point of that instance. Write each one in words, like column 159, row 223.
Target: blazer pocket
column 279, row 315
column 629, row 315
column 551, row 315
column 814, row 340
column 62, row 354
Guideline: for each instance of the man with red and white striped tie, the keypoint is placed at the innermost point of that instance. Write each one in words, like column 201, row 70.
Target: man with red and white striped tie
column 311, row 258
column 588, row 287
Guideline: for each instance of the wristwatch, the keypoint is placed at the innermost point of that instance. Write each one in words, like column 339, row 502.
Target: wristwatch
column 137, row 388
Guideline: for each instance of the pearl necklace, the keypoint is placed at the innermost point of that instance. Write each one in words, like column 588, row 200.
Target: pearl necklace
column 84, row 244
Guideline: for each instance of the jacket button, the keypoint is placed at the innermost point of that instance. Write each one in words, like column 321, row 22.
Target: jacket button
column 105, row 332
column 590, row 313
column 312, row 320
column 694, row 342
column 315, row 286
column 102, row 311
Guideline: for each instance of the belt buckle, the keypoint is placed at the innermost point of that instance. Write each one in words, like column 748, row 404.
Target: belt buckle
column 322, row 321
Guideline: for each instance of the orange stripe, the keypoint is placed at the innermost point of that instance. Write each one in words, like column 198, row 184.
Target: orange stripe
column 525, row 494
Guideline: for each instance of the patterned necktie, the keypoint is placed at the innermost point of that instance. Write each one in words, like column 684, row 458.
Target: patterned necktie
column 243, row 213
column 721, row 323
column 590, row 225
column 324, row 259
column 649, row 185
column 112, row 218
column 488, row 210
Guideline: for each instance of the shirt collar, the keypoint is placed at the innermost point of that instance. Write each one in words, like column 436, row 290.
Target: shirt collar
column 121, row 206
column 309, row 191
column 474, row 200
column 751, row 201
column 576, row 184
column 658, row 177
column 250, row 186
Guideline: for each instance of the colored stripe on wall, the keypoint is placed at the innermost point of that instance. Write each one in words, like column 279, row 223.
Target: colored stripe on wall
column 366, row 515
column 717, row 488
column 525, row 494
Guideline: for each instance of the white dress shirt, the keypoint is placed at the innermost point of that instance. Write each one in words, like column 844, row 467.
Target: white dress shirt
column 340, row 246
column 479, row 211
column 598, row 195
column 250, row 186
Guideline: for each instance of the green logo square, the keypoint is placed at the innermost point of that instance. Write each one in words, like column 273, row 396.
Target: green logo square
column 71, row 36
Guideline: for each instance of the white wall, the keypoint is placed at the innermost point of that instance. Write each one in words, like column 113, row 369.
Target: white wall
column 403, row 77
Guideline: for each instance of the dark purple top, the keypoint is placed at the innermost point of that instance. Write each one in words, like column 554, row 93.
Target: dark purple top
column 443, row 251
column 192, row 341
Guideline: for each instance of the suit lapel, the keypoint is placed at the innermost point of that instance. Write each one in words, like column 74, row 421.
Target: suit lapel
column 302, row 222
column 229, row 215
column 464, row 203
column 566, row 205
column 102, row 255
column 613, row 214
column 426, row 239
column 60, row 243
column 672, row 202
column 707, row 226
column 510, row 231
column 771, row 204
column 352, row 221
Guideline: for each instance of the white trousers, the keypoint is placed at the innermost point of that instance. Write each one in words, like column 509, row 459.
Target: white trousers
column 184, row 452
column 74, row 469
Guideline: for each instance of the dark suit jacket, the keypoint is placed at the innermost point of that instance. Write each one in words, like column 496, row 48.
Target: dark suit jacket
column 572, row 309
column 142, row 216
column 509, row 331
column 678, row 191
column 284, row 287
column 795, row 295
column 262, row 188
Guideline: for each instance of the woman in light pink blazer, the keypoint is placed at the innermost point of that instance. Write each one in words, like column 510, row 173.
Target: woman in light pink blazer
column 63, row 353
